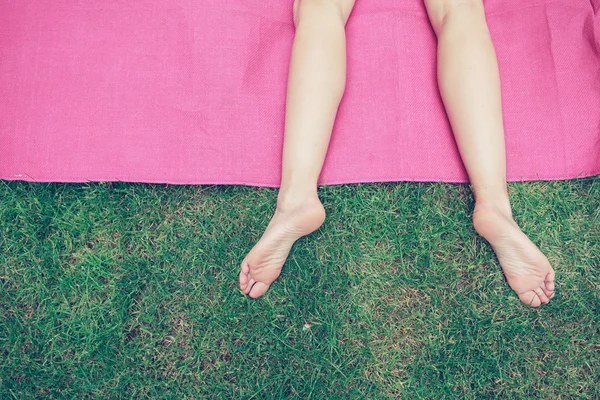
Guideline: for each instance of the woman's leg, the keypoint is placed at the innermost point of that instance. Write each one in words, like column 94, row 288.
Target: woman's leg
column 470, row 87
column 316, row 82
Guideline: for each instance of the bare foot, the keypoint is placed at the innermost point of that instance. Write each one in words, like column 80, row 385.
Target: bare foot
column 527, row 270
column 264, row 262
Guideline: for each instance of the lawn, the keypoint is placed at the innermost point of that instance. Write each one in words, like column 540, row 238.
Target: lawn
column 115, row 290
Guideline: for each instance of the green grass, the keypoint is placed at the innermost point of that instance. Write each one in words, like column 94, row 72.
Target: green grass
column 130, row 291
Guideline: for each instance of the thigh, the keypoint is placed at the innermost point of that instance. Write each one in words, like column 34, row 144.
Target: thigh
column 437, row 10
column 344, row 6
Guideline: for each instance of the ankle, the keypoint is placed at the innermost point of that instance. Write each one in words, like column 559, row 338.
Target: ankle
column 485, row 207
column 489, row 217
column 288, row 200
column 496, row 200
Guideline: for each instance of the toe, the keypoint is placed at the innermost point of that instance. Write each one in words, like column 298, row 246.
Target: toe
column 540, row 293
column 249, row 286
column 244, row 275
column 530, row 298
column 549, row 281
column 243, row 279
column 258, row 290
column 245, row 267
column 547, row 292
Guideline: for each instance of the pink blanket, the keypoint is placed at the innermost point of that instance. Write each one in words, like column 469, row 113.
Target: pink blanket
column 193, row 91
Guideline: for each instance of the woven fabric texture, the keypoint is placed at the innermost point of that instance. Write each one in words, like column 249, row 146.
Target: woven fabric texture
column 193, row 92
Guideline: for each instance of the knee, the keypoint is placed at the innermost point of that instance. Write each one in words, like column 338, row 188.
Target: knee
column 439, row 10
column 308, row 8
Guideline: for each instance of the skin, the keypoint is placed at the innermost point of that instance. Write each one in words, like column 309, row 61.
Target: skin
column 469, row 84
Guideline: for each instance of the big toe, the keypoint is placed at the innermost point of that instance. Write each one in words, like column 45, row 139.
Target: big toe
column 258, row 290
